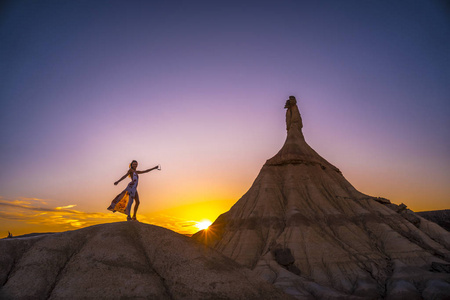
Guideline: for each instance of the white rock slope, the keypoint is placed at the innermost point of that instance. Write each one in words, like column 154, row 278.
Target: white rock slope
column 122, row 260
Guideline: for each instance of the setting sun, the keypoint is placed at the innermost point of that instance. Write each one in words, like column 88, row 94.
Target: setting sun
column 203, row 224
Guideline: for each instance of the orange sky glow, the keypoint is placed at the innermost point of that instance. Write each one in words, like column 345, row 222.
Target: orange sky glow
column 28, row 215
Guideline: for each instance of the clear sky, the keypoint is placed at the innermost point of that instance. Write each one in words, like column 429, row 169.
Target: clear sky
column 199, row 87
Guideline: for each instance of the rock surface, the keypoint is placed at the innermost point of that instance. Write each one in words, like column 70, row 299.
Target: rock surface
column 440, row 217
column 301, row 212
column 123, row 260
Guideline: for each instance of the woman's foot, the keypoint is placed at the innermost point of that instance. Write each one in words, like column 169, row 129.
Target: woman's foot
column 129, row 218
column 134, row 219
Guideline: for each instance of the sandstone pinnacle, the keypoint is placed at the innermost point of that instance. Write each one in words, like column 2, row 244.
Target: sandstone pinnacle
column 304, row 228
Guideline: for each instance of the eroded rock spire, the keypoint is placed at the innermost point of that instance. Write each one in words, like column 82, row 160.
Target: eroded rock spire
column 293, row 117
column 295, row 149
column 303, row 227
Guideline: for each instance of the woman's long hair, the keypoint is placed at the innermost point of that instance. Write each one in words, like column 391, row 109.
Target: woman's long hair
column 131, row 163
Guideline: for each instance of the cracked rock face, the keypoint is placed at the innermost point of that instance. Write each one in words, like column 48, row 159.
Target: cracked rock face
column 344, row 244
column 122, row 260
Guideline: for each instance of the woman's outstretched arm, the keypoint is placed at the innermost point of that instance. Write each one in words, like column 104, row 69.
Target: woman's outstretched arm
column 146, row 171
column 122, row 178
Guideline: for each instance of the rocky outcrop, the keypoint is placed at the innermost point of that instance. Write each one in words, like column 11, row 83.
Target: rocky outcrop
column 122, row 260
column 440, row 217
column 343, row 244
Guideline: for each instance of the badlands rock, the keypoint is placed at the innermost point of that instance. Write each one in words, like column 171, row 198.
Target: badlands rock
column 303, row 227
column 440, row 217
column 122, row 260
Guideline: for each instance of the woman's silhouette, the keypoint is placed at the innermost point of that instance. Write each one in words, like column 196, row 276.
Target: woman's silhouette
column 130, row 193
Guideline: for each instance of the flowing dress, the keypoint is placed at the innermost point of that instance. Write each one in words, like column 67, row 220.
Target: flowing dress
column 122, row 203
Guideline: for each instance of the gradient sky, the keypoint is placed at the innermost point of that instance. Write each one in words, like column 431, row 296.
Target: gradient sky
column 199, row 87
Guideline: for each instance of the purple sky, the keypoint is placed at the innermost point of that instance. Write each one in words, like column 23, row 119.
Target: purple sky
column 199, row 87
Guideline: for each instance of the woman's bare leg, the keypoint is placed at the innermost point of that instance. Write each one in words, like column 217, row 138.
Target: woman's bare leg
column 128, row 209
column 136, row 205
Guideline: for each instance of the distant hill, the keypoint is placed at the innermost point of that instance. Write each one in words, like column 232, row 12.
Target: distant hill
column 28, row 235
column 440, row 217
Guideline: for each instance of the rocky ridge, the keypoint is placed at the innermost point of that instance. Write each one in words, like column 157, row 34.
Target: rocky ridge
column 122, row 260
column 440, row 217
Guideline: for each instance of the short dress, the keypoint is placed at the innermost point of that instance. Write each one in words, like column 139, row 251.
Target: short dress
column 122, row 203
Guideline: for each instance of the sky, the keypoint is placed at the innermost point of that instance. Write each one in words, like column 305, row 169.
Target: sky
column 199, row 88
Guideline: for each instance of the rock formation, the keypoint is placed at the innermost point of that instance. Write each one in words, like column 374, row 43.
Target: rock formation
column 122, row 260
column 304, row 228
column 440, row 217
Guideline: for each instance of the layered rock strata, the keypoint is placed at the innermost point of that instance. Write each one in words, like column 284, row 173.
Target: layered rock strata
column 337, row 242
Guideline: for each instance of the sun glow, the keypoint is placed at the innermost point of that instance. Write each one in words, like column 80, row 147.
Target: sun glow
column 203, row 224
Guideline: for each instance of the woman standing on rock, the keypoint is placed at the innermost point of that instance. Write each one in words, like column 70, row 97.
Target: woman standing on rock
column 122, row 203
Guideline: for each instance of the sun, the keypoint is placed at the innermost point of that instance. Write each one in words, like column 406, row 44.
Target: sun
column 203, row 224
